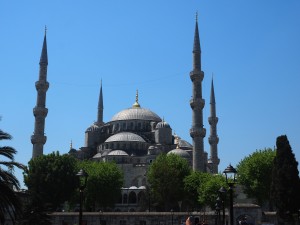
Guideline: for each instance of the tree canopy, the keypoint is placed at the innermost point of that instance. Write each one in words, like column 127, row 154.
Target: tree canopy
column 166, row 175
column 254, row 173
column 9, row 184
column 285, row 179
column 52, row 178
column 104, row 183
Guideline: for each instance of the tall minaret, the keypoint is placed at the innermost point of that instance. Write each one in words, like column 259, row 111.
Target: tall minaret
column 213, row 138
column 197, row 103
column 38, row 139
column 100, row 108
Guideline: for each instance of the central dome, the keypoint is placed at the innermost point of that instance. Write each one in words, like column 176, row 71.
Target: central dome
column 136, row 114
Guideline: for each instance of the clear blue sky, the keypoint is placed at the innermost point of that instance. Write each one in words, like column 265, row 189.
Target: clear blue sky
column 251, row 47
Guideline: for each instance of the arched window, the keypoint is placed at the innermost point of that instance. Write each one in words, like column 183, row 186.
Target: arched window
column 125, row 197
column 132, row 198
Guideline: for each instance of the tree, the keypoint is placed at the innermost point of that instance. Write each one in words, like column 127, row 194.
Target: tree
column 209, row 189
column 10, row 204
column 104, row 183
column 285, row 180
column 254, row 174
column 52, row 178
column 166, row 175
column 191, row 187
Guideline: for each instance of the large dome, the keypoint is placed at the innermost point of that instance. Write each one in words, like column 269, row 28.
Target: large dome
column 136, row 114
column 125, row 136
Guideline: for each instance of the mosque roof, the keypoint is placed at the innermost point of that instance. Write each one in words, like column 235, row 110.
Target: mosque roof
column 162, row 124
column 93, row 127
column 136, row 114
column 180, row 152
column 125, row 136
column 118, row 153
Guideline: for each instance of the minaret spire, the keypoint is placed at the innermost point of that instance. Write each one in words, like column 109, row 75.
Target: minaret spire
column 136, row 104
column 38, row 139
column 197, row 103
column 100, row 107
column 213, row 138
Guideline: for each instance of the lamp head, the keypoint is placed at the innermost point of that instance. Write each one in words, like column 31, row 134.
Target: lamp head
column 230, row 173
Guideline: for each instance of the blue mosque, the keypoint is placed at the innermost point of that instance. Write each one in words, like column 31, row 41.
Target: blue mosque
column 135, row 136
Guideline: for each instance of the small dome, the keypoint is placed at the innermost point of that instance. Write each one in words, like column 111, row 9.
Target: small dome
column 93, row 127
column 98, row 155
column 125, row 136
column 72, row 151
column 136, row 113
column 118, row 153
column 180, row 152
column 184, row 144
column 162, row 124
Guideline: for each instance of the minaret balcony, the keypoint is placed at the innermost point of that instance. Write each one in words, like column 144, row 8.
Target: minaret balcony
column 197, row 132
column 40, row 111
column 213, row 120
column 197, row 103
column 37, row 139
column 213, row 140
column 42, row 85
column 196, row 75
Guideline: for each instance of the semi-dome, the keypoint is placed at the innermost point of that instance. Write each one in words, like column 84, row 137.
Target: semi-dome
column 118, row 153
column 136, row 113
column 180, row 152
column 125, row 136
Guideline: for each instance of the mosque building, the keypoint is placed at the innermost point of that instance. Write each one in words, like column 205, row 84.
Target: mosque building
column 135, row 136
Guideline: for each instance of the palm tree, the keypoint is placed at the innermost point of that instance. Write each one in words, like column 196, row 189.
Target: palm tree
column 10, row 203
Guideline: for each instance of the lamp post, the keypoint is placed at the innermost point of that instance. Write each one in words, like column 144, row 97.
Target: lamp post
column 81, row 173
column 230, row 173
column 172, row 214
column 222, row 192
column 218, row 209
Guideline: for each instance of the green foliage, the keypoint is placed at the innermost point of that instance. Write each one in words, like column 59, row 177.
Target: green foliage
column 104, row 183
column 191, row 186
column 202, row 188
column 166, row 175
column 9, row 202
column 209, row 189
column 285, row 179
column 254, row 173
column 52, row 178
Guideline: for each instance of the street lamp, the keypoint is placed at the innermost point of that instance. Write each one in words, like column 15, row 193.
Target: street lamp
column 84, row 174
column 218, row 209
column 222, row 192
column 172, row 214
column 230, row 173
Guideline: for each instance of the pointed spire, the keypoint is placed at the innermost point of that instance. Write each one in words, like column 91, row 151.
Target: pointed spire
column 100, row 107
column 44, row 55
column 212, row 92
column 136, row 104
column 100, row 103
column 196, row 47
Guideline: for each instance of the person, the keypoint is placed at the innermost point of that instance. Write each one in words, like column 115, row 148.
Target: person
column 189, row 221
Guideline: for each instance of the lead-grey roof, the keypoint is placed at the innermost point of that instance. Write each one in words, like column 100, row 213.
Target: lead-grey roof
column 136, row 114
column 118, row 153
column 180, row 152
column 125, row 136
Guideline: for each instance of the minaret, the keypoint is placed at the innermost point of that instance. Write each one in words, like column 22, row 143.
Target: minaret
column 38, row 139
column 213, row 138
column 100, row 108
column 197, row 103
